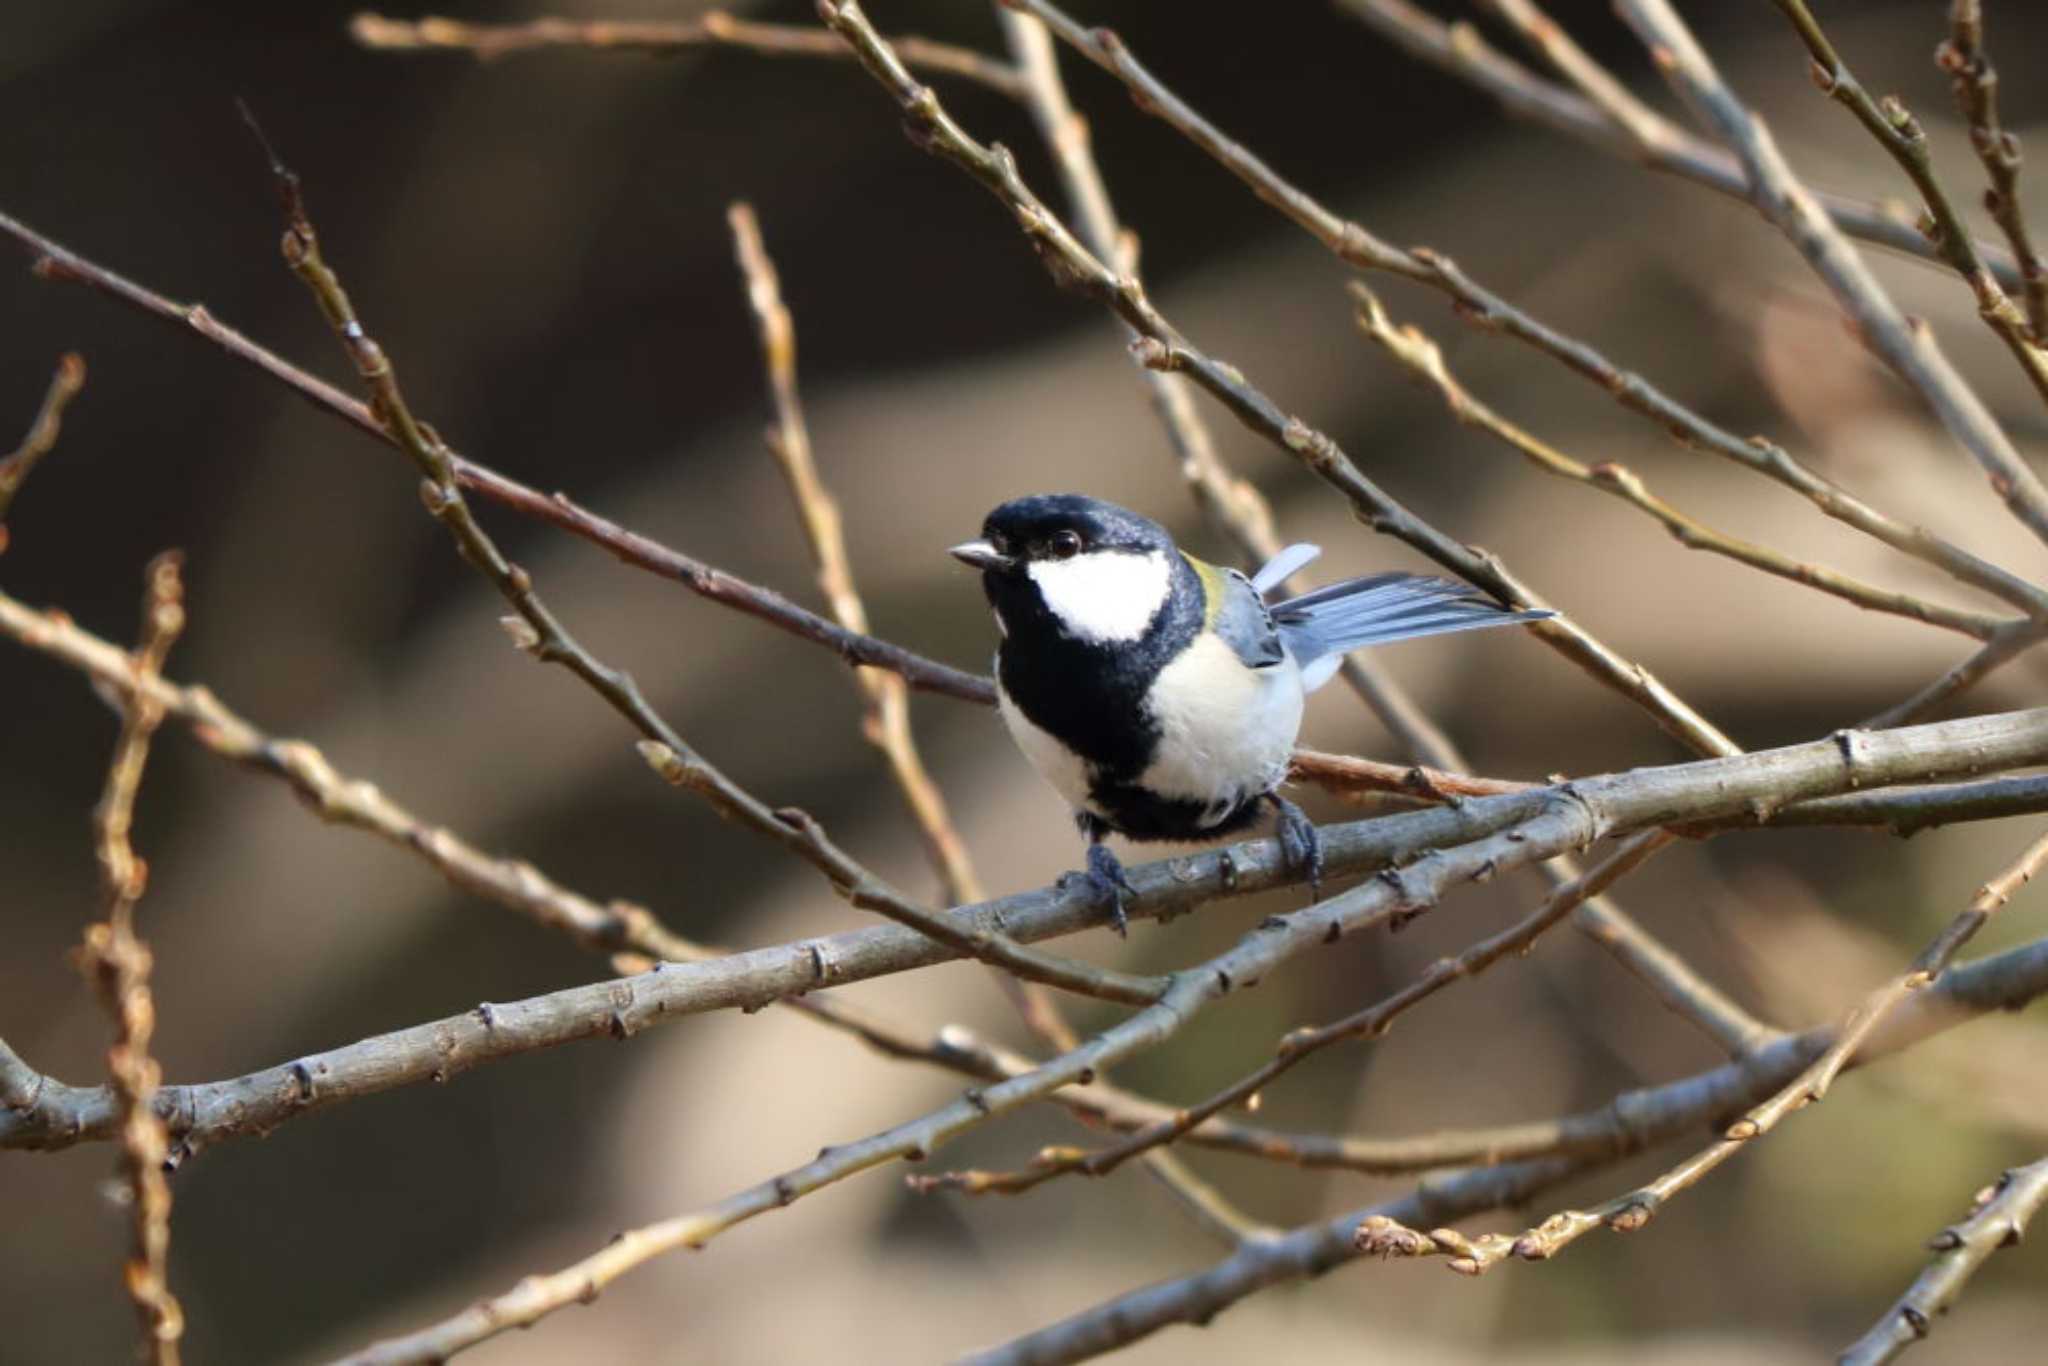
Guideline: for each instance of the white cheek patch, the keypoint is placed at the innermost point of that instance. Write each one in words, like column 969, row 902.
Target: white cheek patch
column 1105, row 595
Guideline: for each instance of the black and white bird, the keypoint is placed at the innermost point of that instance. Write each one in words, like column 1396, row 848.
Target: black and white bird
column 1160, row 694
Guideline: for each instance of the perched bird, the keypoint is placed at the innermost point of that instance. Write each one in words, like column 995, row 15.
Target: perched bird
column 1159, row 694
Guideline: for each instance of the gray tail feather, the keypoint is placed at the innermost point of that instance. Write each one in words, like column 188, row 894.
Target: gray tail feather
column 1385, row 607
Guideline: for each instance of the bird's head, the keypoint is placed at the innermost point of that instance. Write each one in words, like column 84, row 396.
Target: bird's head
column 1089, row 569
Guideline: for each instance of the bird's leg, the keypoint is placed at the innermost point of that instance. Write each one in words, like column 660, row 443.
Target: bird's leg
column 1105, row 875
column 1300, row 845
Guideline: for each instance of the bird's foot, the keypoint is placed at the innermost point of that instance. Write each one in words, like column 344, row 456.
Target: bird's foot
column 1300, row 845
column 1105, row 878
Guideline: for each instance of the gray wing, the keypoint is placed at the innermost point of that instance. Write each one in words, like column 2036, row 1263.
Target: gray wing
column 1246, row 624
column 1383, row 607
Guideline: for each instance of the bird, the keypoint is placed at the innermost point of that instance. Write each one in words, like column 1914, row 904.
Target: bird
column 1161, row 695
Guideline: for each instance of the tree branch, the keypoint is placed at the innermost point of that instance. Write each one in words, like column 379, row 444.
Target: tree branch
column 1976, row 87
column 42, row 434
column 1459, row 49
column 1413, row 349
column 1901, row 136
column 117, row 963
column 487, row 42
column 1908, row 346
column 1998, row 1217
column 2003, row 981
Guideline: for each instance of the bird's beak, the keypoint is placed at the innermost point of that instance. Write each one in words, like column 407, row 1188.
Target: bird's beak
column 982, row 555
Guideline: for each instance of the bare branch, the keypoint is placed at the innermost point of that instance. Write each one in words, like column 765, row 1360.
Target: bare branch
column 1976, row 86
column 1415, row 351
column 42, row 434
column 1358, row 247
column 2004, row 981
column 1908, row 346
column 887, row 723
column 1900, row 134
column 1998, row 1217
column 117, row 963
column 487, row 42
column 1629, row 1212
column 1460, row 49
column 55, row 262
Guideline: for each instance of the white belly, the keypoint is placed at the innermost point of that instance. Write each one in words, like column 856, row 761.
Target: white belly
column 1226, row 731
column 1057, row 764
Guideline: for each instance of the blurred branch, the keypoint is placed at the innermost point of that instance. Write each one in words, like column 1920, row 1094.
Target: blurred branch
column 1358, row 247
column 537, row 632
column 1459, row 48
column 1164, row 348
column 1908, row 346
column 715, row 28
column 1901, row 135
column 2005, row 981
column 1998, row 1217
column 1414, row 350
column 42, row 434
column 1631, row 1211
column 1976, row 88
column 117, row 963
column 886, row 725
column 55, row 262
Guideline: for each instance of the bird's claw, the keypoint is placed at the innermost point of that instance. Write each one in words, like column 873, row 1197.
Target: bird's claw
column 1300, row 846
column 1105, row 877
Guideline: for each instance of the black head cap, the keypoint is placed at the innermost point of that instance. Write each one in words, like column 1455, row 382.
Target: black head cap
column 1061, row 525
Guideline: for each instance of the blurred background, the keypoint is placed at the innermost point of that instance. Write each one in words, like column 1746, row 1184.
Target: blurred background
column 540, row 243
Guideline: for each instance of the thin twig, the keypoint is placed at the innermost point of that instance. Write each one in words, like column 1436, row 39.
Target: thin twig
column 1998, row 1217
column 1631, row 1211
column 42, row 434
column 1459, row 48
column 886, row 725
column 1976, row 87
column 53, row 261
column 1907, row 345
column 2002, row 982
column 539, row 633
column 1900, row 134
column 117, row 963
column 487, row 42
column 1414, row 350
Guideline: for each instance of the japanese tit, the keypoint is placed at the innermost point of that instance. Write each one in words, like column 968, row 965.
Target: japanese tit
column 1159, row 694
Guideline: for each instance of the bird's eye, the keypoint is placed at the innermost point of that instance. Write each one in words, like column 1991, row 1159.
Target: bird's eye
column 1064, row 545
column 997, row 542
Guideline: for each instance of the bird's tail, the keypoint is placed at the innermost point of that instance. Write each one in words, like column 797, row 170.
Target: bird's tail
column 1319, row 627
